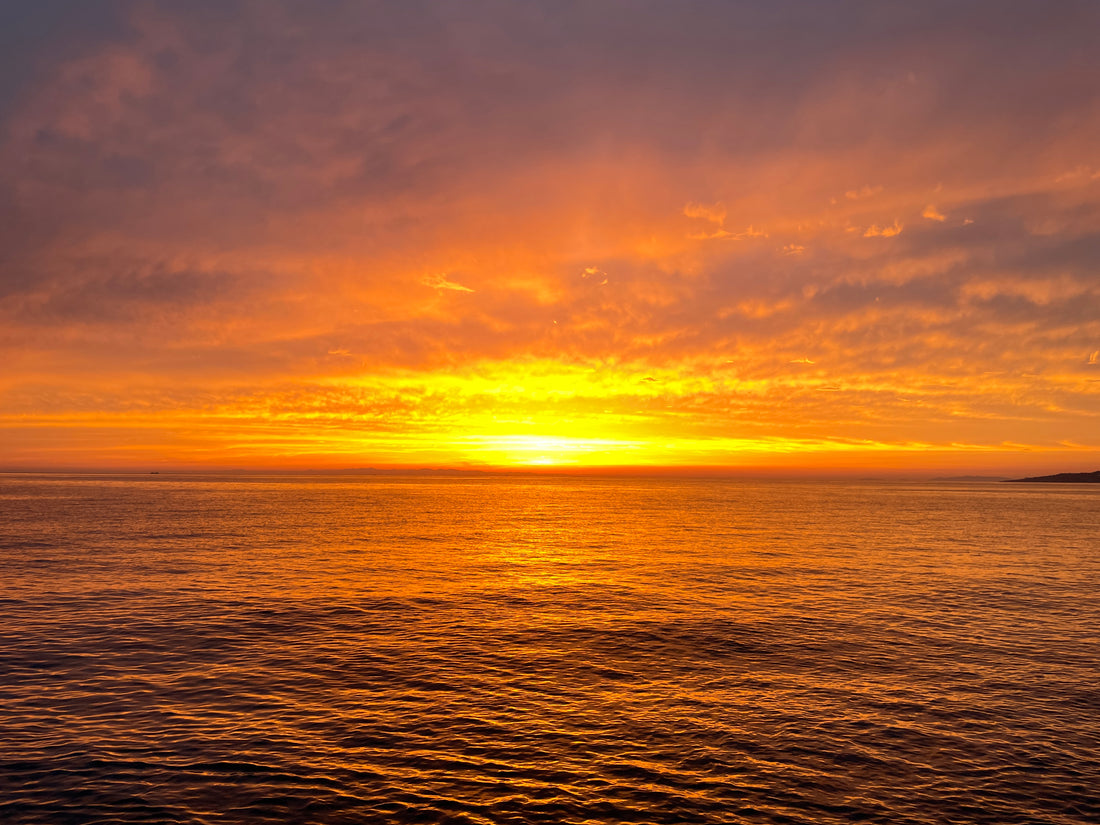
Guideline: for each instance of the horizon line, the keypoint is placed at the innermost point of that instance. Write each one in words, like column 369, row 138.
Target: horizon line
column 625, row 471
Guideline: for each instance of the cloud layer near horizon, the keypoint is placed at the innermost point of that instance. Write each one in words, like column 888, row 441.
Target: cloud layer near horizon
column 659, row 233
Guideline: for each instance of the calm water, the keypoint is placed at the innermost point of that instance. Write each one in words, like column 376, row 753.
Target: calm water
column 487, row 650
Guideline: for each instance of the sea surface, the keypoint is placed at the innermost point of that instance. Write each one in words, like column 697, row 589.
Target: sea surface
column 201, row 649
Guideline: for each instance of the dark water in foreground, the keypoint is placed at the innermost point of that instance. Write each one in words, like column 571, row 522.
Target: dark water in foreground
column 208, row 650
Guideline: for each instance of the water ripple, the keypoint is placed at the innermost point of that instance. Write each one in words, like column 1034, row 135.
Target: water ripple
column 554, row 651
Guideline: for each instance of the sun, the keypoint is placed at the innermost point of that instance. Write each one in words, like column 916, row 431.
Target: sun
column 546, row 450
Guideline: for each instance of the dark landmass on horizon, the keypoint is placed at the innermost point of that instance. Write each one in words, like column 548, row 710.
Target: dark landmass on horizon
column 1065, row 478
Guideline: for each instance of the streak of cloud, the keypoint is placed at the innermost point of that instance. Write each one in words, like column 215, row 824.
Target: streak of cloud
column 443, row 282
column 876, row 231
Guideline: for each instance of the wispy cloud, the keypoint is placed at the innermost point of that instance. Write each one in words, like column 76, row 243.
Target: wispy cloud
column 715, row 213
column 438, row 281
column 862, row 193
column 188, row 212
column 876, row 231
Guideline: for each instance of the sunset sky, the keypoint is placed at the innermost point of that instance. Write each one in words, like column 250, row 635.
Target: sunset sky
column 853, row 236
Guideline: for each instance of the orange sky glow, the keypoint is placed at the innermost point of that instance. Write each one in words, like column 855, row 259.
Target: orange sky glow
column 773, row 236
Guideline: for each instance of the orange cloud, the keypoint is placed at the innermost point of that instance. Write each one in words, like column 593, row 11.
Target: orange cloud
column 215, row 247
column 876, row 231
column 442, row 282
column 862, row 192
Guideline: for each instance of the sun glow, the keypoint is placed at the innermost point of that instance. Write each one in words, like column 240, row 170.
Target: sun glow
column 549, row 451
column 547, row 414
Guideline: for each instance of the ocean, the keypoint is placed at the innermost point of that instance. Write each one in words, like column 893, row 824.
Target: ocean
column 509, row 649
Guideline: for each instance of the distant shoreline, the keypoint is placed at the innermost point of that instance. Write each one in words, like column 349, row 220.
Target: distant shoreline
column 1063, row 478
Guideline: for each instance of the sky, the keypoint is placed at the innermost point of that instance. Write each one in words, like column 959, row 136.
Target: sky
column 773, row 236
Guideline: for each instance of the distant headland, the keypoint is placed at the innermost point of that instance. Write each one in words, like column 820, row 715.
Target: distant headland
column 1066, row 478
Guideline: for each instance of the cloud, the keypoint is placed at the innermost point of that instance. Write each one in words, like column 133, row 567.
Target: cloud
column 211, row 195
column 442, row 282
column 862, row 192
column 715, row 235
column 876, row 231
column 715, row 213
